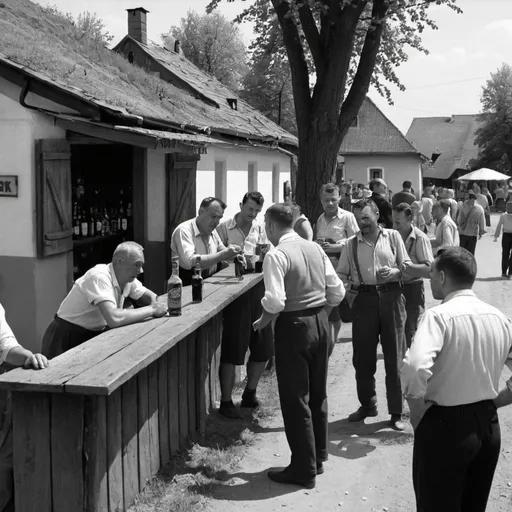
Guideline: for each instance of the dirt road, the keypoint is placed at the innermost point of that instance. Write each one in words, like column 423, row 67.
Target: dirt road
column 369, row 467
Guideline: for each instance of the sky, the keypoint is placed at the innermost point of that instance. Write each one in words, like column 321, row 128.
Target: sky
column 464, row 51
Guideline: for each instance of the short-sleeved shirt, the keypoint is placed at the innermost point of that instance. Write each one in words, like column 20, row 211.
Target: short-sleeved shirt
column 187, row 242
column 447, row 233
column 99, row 284
column 419, row 249
column 342, row 226
column 231, row 234
column 7, row 339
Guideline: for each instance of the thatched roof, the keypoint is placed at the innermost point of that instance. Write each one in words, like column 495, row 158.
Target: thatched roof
column 49, row 47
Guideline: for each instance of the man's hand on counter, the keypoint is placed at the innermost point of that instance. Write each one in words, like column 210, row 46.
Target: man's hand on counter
column 159, row 309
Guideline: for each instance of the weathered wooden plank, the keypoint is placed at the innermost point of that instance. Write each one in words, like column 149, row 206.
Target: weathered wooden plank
column 182, row 389
column 67, row 438
column 143, row 425
column 115, row 451
column 95, row 454
column 174, row 407
column 86, row 356
column 154, row 441
column 163, row 410
column 109, row 374
column 202, row 405
column 130, row 453
column 191, row 387
column 31, row 452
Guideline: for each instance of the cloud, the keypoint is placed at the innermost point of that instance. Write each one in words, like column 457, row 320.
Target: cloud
column 505, row 25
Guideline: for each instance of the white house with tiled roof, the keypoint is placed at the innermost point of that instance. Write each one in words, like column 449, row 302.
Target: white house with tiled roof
column 375, row 148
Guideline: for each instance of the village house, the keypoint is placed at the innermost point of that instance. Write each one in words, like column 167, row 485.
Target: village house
column 97, row 150
column 375, row 148
column 449, row 143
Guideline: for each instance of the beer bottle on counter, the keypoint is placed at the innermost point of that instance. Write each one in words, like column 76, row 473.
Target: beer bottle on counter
column 92, row 223
column 239, row 266
column 99, row 224
column 105, row 224
column 113, row 221
column 174, row 288
column 197, row 282
column 76, row 223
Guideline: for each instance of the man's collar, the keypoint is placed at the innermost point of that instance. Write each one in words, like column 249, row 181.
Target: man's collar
column 195, row 228
column 113, row 274
column 288, row 236
column 340, row 212
column 412, row 234
column 361, row 238
column 459, row 293
column 231, row 222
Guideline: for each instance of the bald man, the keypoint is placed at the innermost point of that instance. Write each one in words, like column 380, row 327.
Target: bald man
column 96, row 302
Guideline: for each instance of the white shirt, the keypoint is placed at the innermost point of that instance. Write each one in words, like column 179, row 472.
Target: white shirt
column 99, row 284
column 458, row 352
column 275, row 267
column 419, row 250
column 340, row 227
column 231, row 234
column 447, row 233
column 7, row 339
column 187, row 242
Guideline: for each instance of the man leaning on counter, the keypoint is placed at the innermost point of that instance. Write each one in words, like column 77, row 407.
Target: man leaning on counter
column 197, row 237
column 96, row 302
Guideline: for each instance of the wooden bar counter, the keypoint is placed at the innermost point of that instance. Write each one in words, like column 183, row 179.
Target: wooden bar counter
column 94, row 427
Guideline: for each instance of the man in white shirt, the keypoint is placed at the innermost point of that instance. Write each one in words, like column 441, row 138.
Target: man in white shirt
column 447, row 234
column 333, row 227
column 471, row 223
column 96, row 301
column 450, row 377
column 243, row 230
column 301, row 287
column 12, row 354
column 199, row 237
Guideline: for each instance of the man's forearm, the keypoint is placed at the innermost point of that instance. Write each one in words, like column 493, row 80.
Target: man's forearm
column 209, row 260
column 504, row 398
column 418, row 270
column 148, row 298
column 17, row 356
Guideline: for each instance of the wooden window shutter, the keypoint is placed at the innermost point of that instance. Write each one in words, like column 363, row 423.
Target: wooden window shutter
column 53, row 197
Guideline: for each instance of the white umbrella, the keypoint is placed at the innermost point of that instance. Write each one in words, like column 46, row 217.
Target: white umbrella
column 484, row 175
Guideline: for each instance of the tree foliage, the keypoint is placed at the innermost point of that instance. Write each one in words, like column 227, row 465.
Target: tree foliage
column 494, row 136
column 335, row 50
column 214, row 44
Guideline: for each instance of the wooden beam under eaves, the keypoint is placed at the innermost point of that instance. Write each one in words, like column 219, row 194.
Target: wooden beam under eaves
column 80, row 139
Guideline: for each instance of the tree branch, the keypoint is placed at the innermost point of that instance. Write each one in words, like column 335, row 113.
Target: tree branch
column 312, row 36
column 297, row 60
column 361, row 83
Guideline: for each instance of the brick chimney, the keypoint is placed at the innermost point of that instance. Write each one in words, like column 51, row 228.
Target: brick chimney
column 137, row 24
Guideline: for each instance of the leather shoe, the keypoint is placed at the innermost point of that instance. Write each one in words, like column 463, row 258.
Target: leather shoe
column 285, row 477
column 319, row 468
column 396, row 422
column 362, row 413
column 249, row 399
column 229, row 410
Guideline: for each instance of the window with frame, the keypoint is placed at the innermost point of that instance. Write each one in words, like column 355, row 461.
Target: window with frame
column 375, row 173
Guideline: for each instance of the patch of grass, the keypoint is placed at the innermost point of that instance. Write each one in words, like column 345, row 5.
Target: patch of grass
column 184, row 486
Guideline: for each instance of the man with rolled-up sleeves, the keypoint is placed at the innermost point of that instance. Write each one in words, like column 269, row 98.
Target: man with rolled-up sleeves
column 301, row 289
column 12, row 354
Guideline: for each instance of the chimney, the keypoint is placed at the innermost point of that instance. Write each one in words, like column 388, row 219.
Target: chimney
column 137, row 24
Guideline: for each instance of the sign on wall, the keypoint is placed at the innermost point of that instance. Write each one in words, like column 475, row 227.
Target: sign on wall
column 8, row 186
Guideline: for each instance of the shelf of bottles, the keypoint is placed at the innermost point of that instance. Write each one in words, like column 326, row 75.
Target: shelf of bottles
column 101, row 221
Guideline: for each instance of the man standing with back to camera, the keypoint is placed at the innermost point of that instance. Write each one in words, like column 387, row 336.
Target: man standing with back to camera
column 301, row 288
column 451, row 377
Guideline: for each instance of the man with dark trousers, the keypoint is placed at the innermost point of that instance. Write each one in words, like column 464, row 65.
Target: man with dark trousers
column 380, row 198
column 418, row 247
column 301, row 289
column 451, row 377
column 371, row 265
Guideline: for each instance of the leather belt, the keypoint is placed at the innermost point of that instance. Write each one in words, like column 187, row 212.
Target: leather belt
column 385, row 287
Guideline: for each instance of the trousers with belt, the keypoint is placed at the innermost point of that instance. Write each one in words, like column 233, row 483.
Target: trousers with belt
column 302, row 340
column 414, row 294
column 379, row 316
column 456, row 450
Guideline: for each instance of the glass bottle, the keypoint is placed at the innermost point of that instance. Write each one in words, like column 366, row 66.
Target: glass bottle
column 197, row 282
column 84, row 225
column 174, row 289
column 239, row 266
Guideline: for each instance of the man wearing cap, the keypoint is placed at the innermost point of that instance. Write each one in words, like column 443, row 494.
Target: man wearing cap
column 96, row 301
column 301, row 287
column 243, row 230
column 198, row 237
column 471, row 223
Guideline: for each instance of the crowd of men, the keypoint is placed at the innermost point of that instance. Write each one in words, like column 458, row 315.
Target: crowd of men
column 362, row 261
